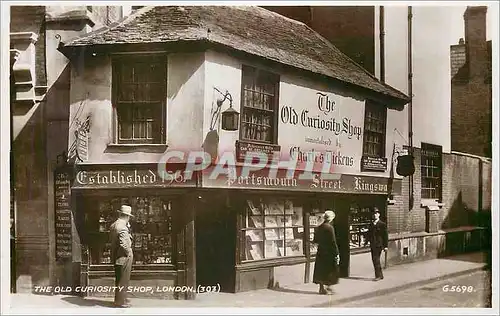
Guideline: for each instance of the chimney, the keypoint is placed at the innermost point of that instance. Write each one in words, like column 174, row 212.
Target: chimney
column 475, row 40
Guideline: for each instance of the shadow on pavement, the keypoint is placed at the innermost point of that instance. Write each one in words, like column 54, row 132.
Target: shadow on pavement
column 475, row 257
column 88, row 302
column 359, row 278
column 284, row 290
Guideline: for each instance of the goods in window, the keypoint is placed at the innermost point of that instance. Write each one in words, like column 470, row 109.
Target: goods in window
column 271, row 234
column 271, row 221
column 150, row 228
column 256, row 221
column 267, row 227
column 271, row 247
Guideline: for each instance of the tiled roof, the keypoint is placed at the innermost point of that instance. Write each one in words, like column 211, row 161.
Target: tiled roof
column 250, row 29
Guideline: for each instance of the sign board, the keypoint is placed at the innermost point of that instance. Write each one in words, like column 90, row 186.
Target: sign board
column 242, row 148
column 316, row 123
column 335, row 183
column 63, row 215
column 131, row 176
column 373, row 163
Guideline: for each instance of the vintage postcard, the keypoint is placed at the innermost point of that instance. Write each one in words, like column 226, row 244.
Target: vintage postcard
column 302, row 157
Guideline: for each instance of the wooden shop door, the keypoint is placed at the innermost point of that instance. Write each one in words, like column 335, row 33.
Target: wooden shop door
column 215, row 246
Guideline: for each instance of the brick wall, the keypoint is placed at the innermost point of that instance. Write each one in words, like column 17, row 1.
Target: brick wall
column 350, row 29
column 401, row 219
column 464, row 185
column 471, row 113
column 460, row 194
column 26, row 18
column 461, row 188
column 486, row 188
column 466, row 195
column 471, row 118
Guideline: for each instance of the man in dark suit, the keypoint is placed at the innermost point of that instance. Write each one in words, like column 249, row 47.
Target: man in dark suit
column 121, row 254
column 378, row 238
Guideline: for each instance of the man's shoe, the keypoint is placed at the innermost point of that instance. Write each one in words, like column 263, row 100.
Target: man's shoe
column 377, row 279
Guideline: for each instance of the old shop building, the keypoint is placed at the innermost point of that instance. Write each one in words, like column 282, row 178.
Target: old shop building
column 158, row 81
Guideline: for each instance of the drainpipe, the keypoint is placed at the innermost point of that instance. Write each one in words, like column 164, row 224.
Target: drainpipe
column 382, row 44
column 13, row 203
column 410, row 94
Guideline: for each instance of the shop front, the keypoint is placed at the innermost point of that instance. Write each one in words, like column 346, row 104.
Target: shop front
column 253, row 236
column 162, row 227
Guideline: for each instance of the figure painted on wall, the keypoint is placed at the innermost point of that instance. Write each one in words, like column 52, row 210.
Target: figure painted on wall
column 326, row 271
column 121, row 254
column 378, row 238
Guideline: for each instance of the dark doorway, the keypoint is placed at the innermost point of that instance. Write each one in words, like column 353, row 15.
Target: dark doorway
column 215, row 244
column 341, row 225
column 359, row 214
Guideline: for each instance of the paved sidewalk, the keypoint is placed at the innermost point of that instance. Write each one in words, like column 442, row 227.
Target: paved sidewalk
column 355, row 287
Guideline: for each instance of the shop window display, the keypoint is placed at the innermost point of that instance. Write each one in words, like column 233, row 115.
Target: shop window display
column 151, row 229
column 315, row 219
column 361, row 218
column 273, row 228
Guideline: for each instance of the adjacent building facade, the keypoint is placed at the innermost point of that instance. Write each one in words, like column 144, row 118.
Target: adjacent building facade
column 471, row 105
column 40, row 85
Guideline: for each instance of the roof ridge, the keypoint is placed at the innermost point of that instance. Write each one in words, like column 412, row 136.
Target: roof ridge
column 251, row 29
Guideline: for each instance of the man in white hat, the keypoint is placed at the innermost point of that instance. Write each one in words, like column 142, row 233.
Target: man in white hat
column 121, row 254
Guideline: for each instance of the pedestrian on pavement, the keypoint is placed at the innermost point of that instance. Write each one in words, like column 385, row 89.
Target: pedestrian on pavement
column 121, row 254
column 327, row 257
column 378, row 238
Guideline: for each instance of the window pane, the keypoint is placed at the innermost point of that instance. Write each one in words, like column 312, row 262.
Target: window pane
column 126, row 73
column 271, row 229
column 125, row 130
column 375, row 116
column 156, row 92
column 140, row 82
column 152, row 243
column 141, row 72
column 157, row 73
column 431, row 171
column 142, row 92
column 126, row 92
column 258, row 90
column 149, row 129
column 139, row 130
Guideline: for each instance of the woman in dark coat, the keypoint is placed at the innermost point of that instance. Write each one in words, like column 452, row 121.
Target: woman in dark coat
column 327, row 257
